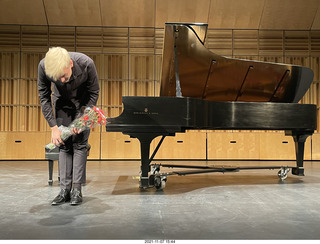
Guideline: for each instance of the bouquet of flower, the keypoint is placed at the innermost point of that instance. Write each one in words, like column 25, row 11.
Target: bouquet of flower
column 91, row 117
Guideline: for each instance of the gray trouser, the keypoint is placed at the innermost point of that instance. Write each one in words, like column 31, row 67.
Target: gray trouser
column 73, row 154
column 72, row 160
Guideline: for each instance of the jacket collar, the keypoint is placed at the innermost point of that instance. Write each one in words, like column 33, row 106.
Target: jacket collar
column 76, row 70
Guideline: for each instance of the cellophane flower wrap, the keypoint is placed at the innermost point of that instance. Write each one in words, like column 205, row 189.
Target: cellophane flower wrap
column 90, row 118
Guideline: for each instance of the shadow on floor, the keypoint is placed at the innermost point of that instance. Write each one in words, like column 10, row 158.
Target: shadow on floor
column 182, row 184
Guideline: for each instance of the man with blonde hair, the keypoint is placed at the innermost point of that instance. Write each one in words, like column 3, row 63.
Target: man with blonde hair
column 69, row 81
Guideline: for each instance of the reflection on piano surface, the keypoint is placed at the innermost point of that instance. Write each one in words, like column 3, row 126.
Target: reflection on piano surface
column 205, row 75
column 202, row 90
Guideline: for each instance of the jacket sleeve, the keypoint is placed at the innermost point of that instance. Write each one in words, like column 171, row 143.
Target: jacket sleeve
column 92, row 85
column 44, row 88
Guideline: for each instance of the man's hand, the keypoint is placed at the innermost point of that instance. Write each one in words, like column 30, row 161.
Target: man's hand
column 76, row 131
column 56, row 136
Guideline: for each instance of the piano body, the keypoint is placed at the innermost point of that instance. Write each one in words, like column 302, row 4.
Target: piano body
column 201, row 90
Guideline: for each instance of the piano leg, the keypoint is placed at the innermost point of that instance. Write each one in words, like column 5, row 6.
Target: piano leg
column 145, row 141
column 299, row 140
column 145, row 162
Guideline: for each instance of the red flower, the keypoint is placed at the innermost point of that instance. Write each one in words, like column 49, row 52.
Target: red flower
column 102, row 113
column 85, row 118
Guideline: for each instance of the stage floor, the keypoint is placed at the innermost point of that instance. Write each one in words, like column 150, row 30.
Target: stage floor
column 251, row 204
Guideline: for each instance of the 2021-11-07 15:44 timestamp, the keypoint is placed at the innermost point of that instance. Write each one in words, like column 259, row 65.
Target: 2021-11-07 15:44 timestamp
column 159, row 241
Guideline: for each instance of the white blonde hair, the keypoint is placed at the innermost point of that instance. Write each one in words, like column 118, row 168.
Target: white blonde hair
column 56, row 60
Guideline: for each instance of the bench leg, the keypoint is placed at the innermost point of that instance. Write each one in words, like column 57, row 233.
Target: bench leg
column 50, row 181
column 58, row 171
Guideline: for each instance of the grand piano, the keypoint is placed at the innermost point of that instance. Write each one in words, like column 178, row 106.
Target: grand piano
column 201, row 90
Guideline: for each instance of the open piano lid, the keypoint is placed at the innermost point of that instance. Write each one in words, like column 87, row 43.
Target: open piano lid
column 189, row 69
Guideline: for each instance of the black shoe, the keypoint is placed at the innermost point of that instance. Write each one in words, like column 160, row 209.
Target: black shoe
column 64, row 196
column 76, row 197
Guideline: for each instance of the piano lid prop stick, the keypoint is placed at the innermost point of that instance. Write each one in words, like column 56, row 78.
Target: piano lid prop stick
column 178, row 87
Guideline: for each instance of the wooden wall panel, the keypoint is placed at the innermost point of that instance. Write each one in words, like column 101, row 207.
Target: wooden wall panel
column 288, row 14
column 229, row 145
column 22, row 12
column 221, row 14
column 308, row 149
column 316, row 21
column 141, row 62
column 29, row 92
column 298, row 60
column 272, row 59
column 128, row 62
column 114, row 84
column 115, row 67
column 9, row 118
column 141, row 75
column 189, row 145
column 315, row 146
column 245, row 42
column 253, row 145
column 73, row 12
column 10, row 37
column 115, row 40
column 142, row 40
column 29, row 64
column 10, row 65
column 133, row 13
column 34, row 38
column 62, row 37
column 141, row 88
column 277, row 146
column 30, row 145
column 116, row 146
column 315, row 42
column 158, row 41
column 296, row 43
column 18, row 145
column 9, row 91
column 315, row 66
column 235, row 14
column 270, row 43
column 95, row 143
column 158, row 68
column 185, row 11
column 89, row 40
column 31, row 119
column 220, row 42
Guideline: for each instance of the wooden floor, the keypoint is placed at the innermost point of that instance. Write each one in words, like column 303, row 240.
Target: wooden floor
column 252, row 204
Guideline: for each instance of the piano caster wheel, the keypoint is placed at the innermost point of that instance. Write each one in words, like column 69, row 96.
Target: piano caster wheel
column 283, row 173
column 160, row 182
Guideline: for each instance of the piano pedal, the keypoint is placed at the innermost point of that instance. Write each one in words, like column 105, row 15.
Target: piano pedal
column 283, row 173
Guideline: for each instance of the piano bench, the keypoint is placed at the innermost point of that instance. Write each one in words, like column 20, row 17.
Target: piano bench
column 53, row 155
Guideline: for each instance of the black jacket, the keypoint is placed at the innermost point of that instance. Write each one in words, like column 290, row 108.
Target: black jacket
column 81, row 90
